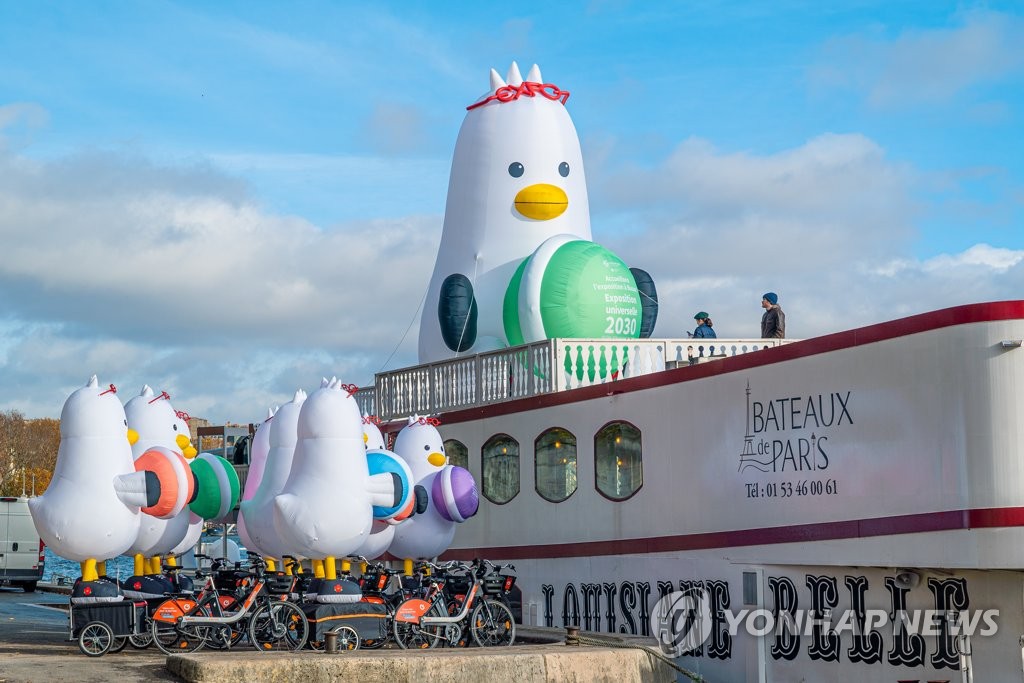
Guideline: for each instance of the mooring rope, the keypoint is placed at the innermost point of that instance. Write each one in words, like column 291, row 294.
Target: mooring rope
column 613, row 641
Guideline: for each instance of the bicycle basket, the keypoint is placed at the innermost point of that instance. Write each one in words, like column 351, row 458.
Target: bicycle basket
column 498, row 584
column 278, row 583
column 229, row 579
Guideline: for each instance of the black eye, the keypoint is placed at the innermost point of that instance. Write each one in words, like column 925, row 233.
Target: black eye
column 516, row 170
column 126, row 422
column 563, row 169
column 427, row 447
column 175, row 427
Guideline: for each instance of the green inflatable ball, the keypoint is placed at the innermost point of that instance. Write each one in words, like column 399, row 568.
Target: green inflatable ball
column 217, row 488
column 571, row 288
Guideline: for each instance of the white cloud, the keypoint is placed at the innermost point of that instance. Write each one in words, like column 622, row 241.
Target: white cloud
column 922, row 66
column 829, row 225
column 173, row 276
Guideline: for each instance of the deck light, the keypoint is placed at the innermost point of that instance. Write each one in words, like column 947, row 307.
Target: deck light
column 1011, row 343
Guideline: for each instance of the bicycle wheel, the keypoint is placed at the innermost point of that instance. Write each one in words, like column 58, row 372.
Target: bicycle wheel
column 278, row 626
column 415, row 637
column 119, row 644
column 492, row 624
column 173, row 639
column 140, row 641
column 95, row 639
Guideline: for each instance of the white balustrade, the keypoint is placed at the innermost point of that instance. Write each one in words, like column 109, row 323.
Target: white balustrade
column 535, row 369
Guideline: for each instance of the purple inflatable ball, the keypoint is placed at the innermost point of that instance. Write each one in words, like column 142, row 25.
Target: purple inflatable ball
column 464, row 499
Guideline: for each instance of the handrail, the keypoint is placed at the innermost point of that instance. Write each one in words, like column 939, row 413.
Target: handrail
column 534, row 369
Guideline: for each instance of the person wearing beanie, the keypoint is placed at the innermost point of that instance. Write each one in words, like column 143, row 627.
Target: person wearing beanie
column 703, row 330
column 773, row 322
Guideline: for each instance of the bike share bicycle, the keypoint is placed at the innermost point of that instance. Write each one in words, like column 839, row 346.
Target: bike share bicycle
column 421, row 623
column 264, row 613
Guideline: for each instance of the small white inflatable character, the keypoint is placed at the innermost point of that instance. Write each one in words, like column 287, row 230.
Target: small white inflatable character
column 326, row 504
column 90, row 511
column 160, row 441
column 258, row 511
column 257, row 463
column 452, row 492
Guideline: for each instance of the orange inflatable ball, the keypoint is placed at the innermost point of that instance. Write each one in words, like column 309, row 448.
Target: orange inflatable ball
column 169, row 482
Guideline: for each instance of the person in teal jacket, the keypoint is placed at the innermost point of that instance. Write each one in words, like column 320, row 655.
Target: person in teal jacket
column 703, row 330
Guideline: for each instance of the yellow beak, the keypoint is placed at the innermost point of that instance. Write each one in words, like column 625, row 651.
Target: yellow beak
column 133, row 436
column 542, row 202
column 185, row 444
column 436, row 459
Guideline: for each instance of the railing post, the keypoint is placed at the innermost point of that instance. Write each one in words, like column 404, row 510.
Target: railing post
column 478, row 383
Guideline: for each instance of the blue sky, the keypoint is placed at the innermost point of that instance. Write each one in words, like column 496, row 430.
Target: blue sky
column 230, row 200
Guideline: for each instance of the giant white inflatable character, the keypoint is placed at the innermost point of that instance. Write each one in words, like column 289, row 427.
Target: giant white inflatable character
column 451, row 489
column 516, row 262
column 258, row 511
column 90, row 511
column 326, row 504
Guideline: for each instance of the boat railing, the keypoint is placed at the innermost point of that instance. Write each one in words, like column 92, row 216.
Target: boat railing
column 534, row 369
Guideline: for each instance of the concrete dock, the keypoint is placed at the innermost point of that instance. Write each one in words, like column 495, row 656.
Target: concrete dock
column 517, row 664
column 34, row 647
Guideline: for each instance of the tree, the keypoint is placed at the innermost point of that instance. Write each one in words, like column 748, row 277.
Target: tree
column 27, row 446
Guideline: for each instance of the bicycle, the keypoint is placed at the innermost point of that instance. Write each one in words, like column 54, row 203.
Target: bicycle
column 182, row 624
column 426, row 623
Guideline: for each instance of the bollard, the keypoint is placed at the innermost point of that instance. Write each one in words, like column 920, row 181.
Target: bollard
column 572, row 635
column 331, row 642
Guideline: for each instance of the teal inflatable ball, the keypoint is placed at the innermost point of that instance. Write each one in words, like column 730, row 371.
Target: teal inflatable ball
column 381, row 461
column 217, row 488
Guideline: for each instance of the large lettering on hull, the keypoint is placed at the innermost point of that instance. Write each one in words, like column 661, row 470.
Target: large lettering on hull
column 812, row 627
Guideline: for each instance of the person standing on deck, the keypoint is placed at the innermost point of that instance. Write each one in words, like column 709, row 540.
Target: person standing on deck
column 703, row 330
column 773, row 322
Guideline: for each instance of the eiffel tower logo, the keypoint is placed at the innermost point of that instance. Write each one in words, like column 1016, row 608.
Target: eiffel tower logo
column 748, row 458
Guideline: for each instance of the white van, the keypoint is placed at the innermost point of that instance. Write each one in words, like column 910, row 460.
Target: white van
column 21, row 549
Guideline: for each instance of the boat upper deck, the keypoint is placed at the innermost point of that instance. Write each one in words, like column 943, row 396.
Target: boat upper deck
column 536, row 369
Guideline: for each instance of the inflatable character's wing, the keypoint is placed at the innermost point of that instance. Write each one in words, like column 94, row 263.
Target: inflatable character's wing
column 457, row 312
column 649, row 299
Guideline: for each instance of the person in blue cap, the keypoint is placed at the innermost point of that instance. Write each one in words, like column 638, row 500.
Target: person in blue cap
column 703, row 330
column 773, row 322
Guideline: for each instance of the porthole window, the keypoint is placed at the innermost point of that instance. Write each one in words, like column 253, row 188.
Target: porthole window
column 457, row 453
column 555, row 464
column 618, row 460
column 500, row 468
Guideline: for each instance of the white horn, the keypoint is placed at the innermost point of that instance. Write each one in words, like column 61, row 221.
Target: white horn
column 534, row 75
column 497, row 81
column 514, row 77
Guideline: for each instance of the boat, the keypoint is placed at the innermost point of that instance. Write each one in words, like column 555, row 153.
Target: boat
column 843, row 508
column 847, row 507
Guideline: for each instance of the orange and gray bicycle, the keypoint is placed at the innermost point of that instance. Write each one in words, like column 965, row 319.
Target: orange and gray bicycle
column 431, row 621
column 261, row 610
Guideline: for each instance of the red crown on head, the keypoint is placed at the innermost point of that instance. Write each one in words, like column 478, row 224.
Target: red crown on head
column 350, row 388
column 432, row 421
column 111, row 390
column 508, row 93
column 371, row 420
column 182, row 415
column 163, row 394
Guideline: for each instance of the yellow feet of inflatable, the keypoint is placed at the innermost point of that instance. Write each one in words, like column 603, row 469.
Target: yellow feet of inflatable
column 89, row 571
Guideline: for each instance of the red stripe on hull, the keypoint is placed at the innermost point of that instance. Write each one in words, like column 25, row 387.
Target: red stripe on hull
column 827, row 531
